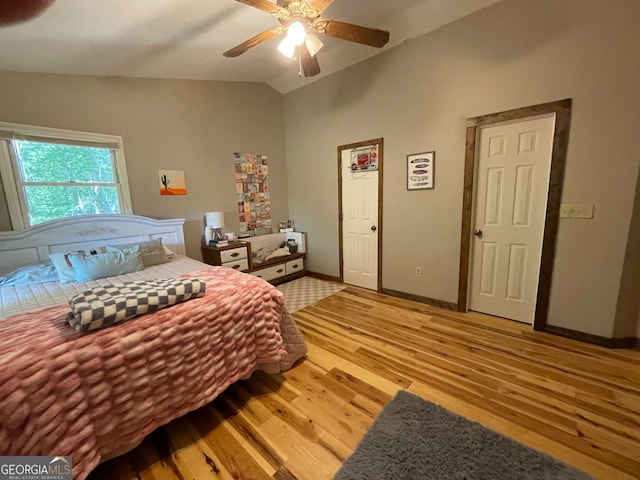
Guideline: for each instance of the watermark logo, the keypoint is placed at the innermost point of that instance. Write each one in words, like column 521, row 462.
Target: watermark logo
column 35, row 468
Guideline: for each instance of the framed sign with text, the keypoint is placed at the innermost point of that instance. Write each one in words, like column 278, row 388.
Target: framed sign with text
column 420, row 171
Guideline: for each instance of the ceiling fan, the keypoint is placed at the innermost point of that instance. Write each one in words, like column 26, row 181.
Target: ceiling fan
column 301, row 20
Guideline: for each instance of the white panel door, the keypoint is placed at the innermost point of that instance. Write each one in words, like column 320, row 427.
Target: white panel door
column 514, row 161
column 359, row 225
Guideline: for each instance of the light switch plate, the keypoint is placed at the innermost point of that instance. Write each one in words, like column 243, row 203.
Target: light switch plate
column 576, row 210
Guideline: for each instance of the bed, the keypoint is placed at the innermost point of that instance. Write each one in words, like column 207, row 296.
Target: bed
column 95, row 395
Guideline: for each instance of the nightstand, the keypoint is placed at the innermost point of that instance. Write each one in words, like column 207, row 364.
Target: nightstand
column 235, row 255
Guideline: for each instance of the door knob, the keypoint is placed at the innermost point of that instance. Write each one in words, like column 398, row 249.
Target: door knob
column 477, row 232
column 373, row 228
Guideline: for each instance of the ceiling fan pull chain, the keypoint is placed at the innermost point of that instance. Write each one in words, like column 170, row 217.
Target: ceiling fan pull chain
column 300, row 68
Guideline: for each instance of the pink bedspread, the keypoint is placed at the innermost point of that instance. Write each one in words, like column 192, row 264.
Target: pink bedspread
column 97, row 395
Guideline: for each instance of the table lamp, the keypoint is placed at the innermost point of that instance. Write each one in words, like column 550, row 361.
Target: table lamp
column 215, row 222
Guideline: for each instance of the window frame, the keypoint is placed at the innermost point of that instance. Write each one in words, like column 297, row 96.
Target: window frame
column 10, row 170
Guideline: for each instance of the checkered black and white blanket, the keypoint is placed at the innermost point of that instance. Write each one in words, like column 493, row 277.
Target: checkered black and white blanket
column 103, row 306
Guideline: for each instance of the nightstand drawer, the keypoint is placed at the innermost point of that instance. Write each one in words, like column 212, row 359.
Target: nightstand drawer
column 270, row 273
column 241, row 265
column 233, row 254
column 294, row 266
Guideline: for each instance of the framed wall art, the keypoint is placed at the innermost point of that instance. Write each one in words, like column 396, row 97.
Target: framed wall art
column 420, row 171
column 172, row 182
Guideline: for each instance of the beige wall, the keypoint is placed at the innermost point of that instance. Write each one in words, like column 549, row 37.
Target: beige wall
column 175, row 125
column 418, row 95
column 627, row 322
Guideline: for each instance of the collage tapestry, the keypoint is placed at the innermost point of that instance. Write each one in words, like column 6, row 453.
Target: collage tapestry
column 252, row 192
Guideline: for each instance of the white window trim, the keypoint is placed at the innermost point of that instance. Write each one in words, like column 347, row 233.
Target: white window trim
column 16, row 203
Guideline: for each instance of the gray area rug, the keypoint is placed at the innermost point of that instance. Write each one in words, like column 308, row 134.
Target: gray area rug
column 414, row 439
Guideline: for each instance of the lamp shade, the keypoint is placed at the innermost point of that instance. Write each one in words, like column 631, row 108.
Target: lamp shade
column 287, row 48
column 296, row 33
column 215, row 219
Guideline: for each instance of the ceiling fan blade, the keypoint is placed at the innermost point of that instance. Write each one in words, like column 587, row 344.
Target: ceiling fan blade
column 354, row 33
column 319, row 5
column 15, row 12
column 254, row 42
column 309, row 66
column 264, row 5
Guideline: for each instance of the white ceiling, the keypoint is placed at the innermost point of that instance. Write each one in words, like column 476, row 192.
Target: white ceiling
column 184, row 39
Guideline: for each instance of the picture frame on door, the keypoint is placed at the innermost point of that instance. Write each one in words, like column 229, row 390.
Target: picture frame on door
column 421, row 171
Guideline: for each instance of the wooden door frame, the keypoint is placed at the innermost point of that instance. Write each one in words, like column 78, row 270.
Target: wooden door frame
column 380, row 143
column 562, row 110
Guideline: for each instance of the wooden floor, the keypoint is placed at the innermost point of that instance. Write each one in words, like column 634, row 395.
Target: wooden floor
column 577, row 402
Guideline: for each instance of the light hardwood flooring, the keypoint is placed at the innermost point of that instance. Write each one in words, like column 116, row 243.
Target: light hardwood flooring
column 577, row 402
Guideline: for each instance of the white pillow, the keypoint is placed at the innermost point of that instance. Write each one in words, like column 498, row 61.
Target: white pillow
column 62, row 263
column 151, row 251
column 103, row 265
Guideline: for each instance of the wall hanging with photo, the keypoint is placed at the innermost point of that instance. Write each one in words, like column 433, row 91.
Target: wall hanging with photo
column 252, row 192
column 420, row 171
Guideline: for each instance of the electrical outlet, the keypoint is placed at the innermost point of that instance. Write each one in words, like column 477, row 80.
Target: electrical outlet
column 418, row 272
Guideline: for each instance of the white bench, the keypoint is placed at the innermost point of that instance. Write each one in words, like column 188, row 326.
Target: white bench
column 279, row 269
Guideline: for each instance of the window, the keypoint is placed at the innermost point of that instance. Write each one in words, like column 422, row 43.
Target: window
column 49, row 174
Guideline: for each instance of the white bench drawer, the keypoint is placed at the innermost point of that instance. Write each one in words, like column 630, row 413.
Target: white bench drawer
column 270, row 273
column 294, row 266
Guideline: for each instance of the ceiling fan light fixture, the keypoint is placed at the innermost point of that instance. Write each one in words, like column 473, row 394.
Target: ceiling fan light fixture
column 287, row 48
column 296, row 33
column 314, row 44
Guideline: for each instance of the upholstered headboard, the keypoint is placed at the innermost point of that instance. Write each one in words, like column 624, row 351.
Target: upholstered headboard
column 85, row 232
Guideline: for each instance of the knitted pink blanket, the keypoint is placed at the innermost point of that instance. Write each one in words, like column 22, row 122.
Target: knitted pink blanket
column 97, row 395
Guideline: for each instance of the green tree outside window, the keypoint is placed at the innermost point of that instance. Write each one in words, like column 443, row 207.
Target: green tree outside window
column 64, row 180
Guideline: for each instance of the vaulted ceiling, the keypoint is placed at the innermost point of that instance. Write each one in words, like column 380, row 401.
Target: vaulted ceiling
column 185, row 39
